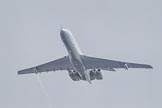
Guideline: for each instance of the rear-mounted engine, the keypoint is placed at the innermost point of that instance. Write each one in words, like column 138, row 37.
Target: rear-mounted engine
column 74, row 75
column 96, row 74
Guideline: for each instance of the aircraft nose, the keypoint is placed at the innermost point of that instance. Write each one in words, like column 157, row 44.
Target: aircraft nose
column 62, row 33
column 62, row 30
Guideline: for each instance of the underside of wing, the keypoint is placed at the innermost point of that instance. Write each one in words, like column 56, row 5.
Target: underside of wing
column 105, row 64
column 59, row 64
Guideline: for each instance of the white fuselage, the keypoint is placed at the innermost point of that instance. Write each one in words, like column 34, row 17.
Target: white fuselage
column 74, row 52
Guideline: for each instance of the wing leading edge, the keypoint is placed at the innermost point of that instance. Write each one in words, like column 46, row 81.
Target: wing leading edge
column 59, row 64
column 105, row 64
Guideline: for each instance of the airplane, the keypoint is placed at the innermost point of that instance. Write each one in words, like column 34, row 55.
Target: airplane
column 78, row 65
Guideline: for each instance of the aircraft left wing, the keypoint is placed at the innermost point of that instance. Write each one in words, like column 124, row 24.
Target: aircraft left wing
column 59, row 64
column 105, row 64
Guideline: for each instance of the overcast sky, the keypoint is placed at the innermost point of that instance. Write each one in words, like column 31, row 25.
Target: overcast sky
column 126, row 30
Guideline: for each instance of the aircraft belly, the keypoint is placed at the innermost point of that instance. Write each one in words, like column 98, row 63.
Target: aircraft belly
column 77, row 65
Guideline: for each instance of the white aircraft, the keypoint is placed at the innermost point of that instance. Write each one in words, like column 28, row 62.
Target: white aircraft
column 79, row 66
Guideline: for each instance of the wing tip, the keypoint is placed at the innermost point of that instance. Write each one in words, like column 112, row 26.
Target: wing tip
column 26, row 71
column 149, row 66
column 20, row 72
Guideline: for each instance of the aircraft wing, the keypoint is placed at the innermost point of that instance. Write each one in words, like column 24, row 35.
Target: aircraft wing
column 59, row 64
column 105, row 64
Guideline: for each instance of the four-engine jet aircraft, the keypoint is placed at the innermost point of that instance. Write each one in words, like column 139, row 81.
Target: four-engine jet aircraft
column 79, row 66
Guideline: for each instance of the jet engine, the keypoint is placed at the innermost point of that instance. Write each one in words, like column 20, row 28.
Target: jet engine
column 92, row 75
column 99, row 74
column 96, row 74
column 74, row 75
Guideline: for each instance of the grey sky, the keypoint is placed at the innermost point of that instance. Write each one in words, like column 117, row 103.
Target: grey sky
column 126, row 30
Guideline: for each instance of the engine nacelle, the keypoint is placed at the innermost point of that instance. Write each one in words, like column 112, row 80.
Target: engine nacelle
column 92, row 75
column 96, row 74
column 74, row 75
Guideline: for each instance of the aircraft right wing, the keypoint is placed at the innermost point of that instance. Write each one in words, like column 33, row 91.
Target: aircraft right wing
column 59, row 64
column 105, row 64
